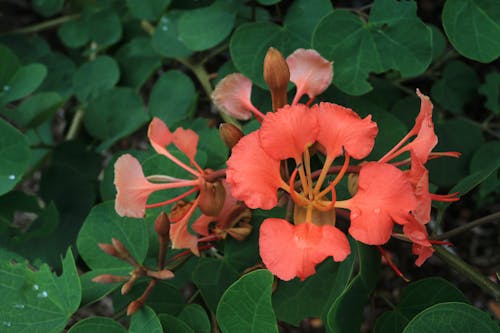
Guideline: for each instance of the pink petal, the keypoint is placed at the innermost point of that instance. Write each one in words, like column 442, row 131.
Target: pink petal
column 159, row 135
column 423, row 253
column 426, row 139
column 290, row 251
column 310, row 72
column 340, row 127
column 180, row 236
column 232, row 96
column 384, row 195
column 288, row 132
column 253, row 175
column 418, row 176
column 187, row 141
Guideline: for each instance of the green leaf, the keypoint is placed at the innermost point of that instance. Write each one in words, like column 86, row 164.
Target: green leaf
column 452, row 317
column 268, row 2
column 172, row 324
column 115, row 114
column 219, row 16
column 14, row 156
column 97, row 325
column 196, row 317
column 454, row 135
column 60, row 70
column 147, row 9
column 23, row 82
column 10, row 64
column 95, row 77
column 491, row 90
column 482, row 161
column 166, row 40
column 438, row 42
column 138, row 60
column 246, row 305
column 34, row 110
column 346, row 312
column 38, row 301
column 394, row 38
column 75, row 33
column 295, row 300
column 47, row 7
column 250, row 42
column 145, row 320
column 173, row 97
column 105, row 28
column 415, row 298
column 457, row 86
column 100, row 226
column 473, row 27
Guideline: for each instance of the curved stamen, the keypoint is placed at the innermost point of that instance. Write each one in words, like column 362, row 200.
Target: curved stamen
column 454, row 154
column 165, row 179
column 393, row 153
column 174, row 159
column 303, row 178
column 331, row 206
column 177, row 198
column 391, row 264
column 307, row 163
column 295, row 197
column 445, row 197
column 322, row 176
column 338, row 178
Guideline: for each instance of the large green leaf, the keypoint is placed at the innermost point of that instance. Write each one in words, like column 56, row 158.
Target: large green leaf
column 452, row 317
column 100, row 226
column 37, row 300
column 173, row 324
column 393, row 38
column 166, row 40
column 415, row 298
column 193, row 24
column 145, row 320
column 246, row 305
column 115, row 114
column 491, row 90
column 346, row 312
column 473, row 27
column 24, row 81
column 14, row 156
column 173, row 97
column 486, row 158
column 147, row 9
column 250, row 42
column 34, row 110
column 94, row 77
column 196, row 317
column 97, row 325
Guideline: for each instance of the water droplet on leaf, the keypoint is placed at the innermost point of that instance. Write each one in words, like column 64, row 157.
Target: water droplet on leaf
column 7, row 324
column 12, row 177
column 36, row 287
column 6, row 88
column 19, row 306
column 164, row 28
column 43, row 294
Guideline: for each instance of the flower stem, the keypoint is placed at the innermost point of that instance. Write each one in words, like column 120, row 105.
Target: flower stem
column 468, row 226
column 465, row 269
column 74, row 128
column 45, row 25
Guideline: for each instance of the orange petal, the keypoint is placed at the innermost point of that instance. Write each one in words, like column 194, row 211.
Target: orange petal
column 288, row 132
column 310, row 72
column 290, row 251
column 232, row 96
column 187, row 141
column 418, row 176
column 159, row 135
column 179, row 232
column 384, row 195
column 341, row 127
column 417, row 233
column 253, row 175
column 133, row 189
column 423, row 253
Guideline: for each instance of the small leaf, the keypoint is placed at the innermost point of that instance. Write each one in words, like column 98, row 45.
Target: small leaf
column 14, row 156
column 10, row 64
column 97, row 325
column 104, row 27
column 47, row 8
column 452, row 317
column 196, row 317
column 23, row 82
column 115, row 114
column 457, row 86
column 173, row 97
column 172, row 324
column 38, row 301
column 473, row 27
column 438, row 42
column 482, row 161
column 94, row 77
column 60, row 70
column 34, row 110
column 100, row 226
column 246, row 305
column 147, row 10
column 145, row 320
column 491, row 90
column 166, row 40
column 219, row 16
column 75, row 33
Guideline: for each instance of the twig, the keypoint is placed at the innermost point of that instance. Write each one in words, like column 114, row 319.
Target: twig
column 457, row 231
column 45, row 25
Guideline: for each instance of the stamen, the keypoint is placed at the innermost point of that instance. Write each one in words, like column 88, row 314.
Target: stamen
column 296, row 198
column 318, row 206
column 179, row 163
column 393, row 153
column 177, row 198
column 454, row 154
column 258, row 115
column 196, row 165
column 322, row 176
column 303, row 179
column 391, row 264
column 309, row 102
column 307, row 163
column 339, row 176
column 445, row 197
column 439, row 242
column 164, row 178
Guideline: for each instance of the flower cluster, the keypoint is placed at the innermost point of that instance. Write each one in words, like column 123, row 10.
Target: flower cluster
column 385, row 194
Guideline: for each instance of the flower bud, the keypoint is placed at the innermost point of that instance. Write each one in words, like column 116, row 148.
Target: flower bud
column 134, row 306
column 230, row 134
column 162, row 225
column 109, row 249
column 161, row 275
column 109, row 278
column 277, row 76
column 120, row 248
column 352, row 183
column 241, row 232
column 212, row 196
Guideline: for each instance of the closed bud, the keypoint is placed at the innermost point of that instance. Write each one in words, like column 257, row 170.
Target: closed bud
column 161, row 275
column 277, row 76
column 241, row 232
column 109, row 249
column 133, row 307
column 230, row 134
column 352, row 183
column 109, row 278
column 120, row 248
column 212, row 196
column 162, row 225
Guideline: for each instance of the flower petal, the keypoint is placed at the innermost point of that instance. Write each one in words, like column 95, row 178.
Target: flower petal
column 179, row 232
column 132, row 188
column 310, row 72
column 232, row 96
column 423, row 253
column 418, row 176
column 341, row 127
column 159, row 136
column 288, row 132
column 417, row 233
column 384, row 195
column 187, row 141
column 290, row 251
column 426, row 139
column 253, row 175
